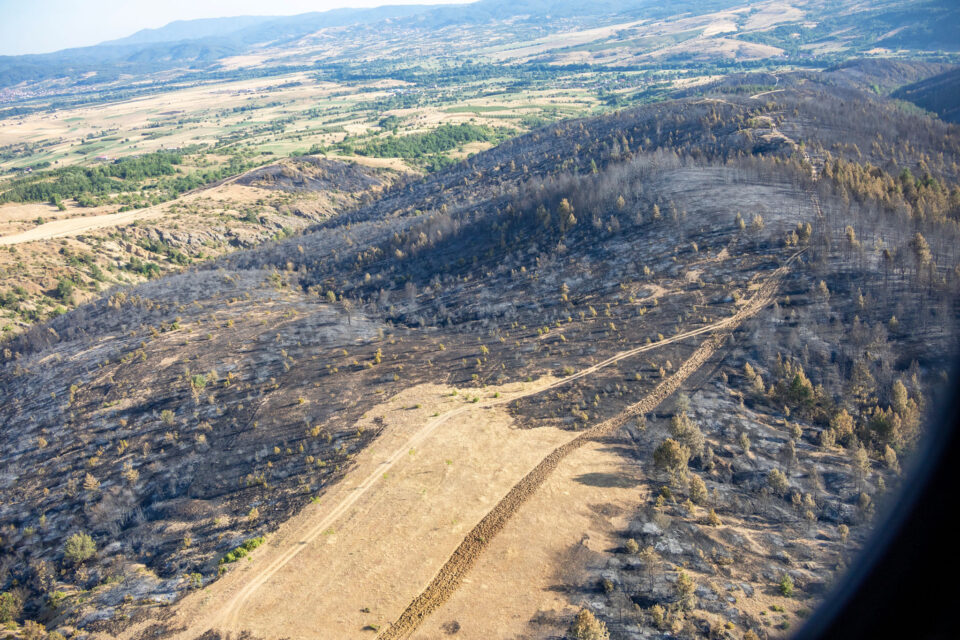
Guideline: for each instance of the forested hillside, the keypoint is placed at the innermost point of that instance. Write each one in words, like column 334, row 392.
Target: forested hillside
column 939, row 94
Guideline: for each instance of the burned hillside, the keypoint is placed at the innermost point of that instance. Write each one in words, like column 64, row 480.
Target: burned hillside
column 179, row 421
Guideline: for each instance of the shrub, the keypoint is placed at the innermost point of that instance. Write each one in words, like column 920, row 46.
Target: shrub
column 55, row 599
column 90, row 483
column 658, row 614
column 33, row 631
column 198, row 382
column 778, row 482
column 79, row 548
column 823, row 290
column 631, row 546
column 685, row 591
column 796, row 432
column 842, row 426
column 713, row 519
column 698, row 489
column 687, row 432
column 861, row 462
column 242, row 551
column 788, row 453
column 828, row 438
column 671, row 455
column 785, row 586
column 64, row 289
column 649, row 554
column 587, row 627
column 11, row 606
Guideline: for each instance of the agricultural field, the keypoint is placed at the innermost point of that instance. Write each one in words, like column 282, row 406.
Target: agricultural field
column 318, row 94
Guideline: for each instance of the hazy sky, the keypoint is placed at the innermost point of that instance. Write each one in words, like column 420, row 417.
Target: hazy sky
column 39, row 26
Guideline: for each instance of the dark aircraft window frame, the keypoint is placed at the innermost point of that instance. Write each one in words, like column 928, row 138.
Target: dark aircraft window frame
column 902, row 582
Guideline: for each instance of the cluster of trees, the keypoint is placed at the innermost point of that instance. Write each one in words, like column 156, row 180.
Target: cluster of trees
column 18, row 151
column 896, row 425
column 75, row 181
column 134, row 182
column 421, row 145
column 926, row 197
column 792, row 388
column 604, row 168
column 413, row 73
column 158, row 246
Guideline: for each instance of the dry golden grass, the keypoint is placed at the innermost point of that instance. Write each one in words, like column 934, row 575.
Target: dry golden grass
column 516, row 575
column 80, row 220
column 413, row 493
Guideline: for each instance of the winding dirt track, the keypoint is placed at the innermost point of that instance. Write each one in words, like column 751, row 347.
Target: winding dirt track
column 76, row 226
column 69, row 227
column 227, row 614
column 455, row 569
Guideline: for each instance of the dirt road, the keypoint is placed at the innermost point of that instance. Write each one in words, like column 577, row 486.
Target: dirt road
column 776, row 81
column 301, row 555
column 492, row 523
column 78, row 226
column 453, row 572
column 69, row 227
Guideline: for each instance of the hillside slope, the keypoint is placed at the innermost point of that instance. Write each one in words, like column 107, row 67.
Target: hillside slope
column 585, row 272
column 939, row 94
column 54, row 260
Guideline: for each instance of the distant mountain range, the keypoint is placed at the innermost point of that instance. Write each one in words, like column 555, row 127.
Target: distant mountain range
column 198, row 45
column 190, row 30
column 191, row 43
